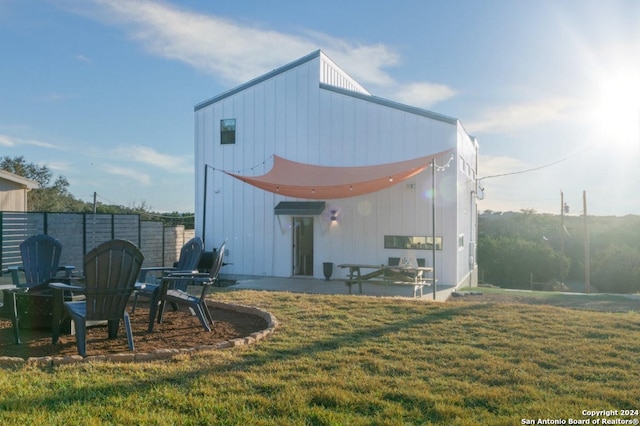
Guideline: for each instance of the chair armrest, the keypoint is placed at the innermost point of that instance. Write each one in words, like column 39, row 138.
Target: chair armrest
column 188, row 274
column 138, row 286
column 7, row 287
column 142, row 276
column 63, row 286
column 198, row 278
column 68, row 270
column 204, row 279
column 14, row 274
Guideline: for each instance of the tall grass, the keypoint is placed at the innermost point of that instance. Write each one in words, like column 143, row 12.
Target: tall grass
column 339, row 360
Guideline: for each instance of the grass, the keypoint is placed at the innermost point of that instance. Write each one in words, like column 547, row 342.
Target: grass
column 595, row 302
column 338, row 360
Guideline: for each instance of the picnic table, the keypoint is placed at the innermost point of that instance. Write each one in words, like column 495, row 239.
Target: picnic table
column 403, row 275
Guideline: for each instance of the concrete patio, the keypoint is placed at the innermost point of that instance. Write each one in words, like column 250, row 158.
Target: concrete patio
column 338, row 287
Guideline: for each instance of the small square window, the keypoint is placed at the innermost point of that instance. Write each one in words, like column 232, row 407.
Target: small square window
column 228, row 131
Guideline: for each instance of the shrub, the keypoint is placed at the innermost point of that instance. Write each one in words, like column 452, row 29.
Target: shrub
column 616, row 269
column 510, row 261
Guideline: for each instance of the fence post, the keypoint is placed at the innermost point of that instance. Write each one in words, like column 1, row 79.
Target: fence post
column 531, row 281
column 1, row 242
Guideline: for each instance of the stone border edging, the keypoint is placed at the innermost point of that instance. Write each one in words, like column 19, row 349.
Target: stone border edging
column 158, row 354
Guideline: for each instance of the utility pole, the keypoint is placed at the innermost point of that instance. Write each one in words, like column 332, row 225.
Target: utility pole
column 95, row 202
column 562, row 208
column 433, row 224
column 587, row 268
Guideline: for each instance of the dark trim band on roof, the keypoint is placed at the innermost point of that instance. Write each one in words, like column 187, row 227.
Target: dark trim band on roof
column 302, row 208
column 391, row 104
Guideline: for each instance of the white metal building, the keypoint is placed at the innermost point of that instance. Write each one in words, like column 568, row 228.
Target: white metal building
column 303, row 166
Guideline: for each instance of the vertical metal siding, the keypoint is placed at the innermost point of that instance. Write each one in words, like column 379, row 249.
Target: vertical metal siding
column 330, row 74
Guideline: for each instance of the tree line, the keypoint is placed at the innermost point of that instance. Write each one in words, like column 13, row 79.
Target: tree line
column 53, row 196
column 514, row 246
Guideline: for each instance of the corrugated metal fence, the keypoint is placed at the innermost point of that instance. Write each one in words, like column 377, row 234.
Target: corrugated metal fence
column 80, row 232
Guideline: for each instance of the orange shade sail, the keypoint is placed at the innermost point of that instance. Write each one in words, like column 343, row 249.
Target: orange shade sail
column 314, row 182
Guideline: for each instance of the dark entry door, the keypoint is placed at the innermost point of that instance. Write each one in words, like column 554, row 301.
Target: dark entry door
column 303, row 246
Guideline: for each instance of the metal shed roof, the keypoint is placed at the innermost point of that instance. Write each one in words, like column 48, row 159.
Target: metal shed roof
column 303, row 208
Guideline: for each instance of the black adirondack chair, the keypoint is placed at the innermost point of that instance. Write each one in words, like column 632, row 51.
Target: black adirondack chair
column 175, row 290
column 110, row 270
column 29, row 304
column 190, row 255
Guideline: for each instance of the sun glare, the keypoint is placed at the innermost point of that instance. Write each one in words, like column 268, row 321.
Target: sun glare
column 617, row 111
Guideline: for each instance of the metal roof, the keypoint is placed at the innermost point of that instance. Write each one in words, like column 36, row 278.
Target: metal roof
column 391, row 104
column 258, row 80
column 303, row 208
column 365, row 97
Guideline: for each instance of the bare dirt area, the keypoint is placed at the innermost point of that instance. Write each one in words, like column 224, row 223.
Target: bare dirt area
column 178, row 330
column 601, row 303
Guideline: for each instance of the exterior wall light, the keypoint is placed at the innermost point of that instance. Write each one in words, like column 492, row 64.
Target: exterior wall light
column 334, row 215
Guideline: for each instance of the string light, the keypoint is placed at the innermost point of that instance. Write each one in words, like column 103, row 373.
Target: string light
column 442, row 168
column 252, row 168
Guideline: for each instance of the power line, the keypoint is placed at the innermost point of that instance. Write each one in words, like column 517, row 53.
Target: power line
column 527, row 170
column 539, row 167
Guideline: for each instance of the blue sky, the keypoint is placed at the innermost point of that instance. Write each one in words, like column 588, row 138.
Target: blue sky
column 102, row 91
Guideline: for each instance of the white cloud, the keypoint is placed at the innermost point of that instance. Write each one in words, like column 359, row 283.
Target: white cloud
column 501, row 190
column 365, row 63
column 11, row 141
column 499, row 165
column 424, row 94
column 211, row 44
column 236, row 52
column 518, row 116
column 147, row 155
column 132, row 174
column 83, row 58
column 58, row 166
column 6, row 141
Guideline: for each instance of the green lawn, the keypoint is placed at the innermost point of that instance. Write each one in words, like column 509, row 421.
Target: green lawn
column 338, row 360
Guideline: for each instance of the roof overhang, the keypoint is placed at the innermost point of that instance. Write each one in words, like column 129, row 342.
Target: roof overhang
column 308, row 181
column 19, row 180
column 299, row 208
